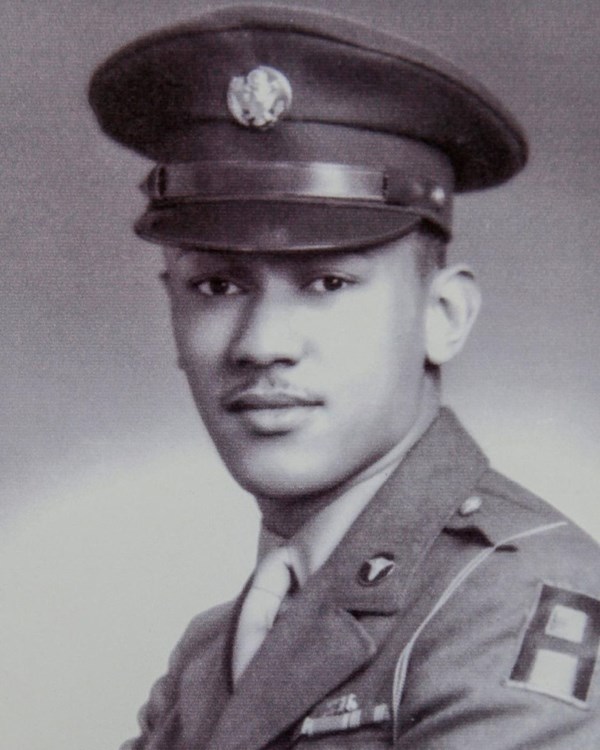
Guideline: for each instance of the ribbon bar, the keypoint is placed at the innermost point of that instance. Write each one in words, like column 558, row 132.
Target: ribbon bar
column 344, row 722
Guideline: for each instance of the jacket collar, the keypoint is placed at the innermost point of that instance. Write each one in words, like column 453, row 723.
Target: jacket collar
column 407, row 515
column 318, row 642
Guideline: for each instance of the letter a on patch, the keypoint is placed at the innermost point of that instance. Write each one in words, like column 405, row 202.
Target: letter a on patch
column 560, row 647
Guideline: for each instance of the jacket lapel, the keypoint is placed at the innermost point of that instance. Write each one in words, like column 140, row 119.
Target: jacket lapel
column 201, row 663
column 315, row 646
column 318, row 642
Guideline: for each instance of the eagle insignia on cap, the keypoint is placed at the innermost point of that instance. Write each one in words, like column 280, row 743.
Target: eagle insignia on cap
column 259, row 99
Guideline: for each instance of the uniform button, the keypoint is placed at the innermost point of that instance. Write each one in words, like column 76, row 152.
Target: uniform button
column 471, row 505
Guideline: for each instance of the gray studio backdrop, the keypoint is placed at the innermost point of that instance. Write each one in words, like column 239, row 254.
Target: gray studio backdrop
column 117, row 521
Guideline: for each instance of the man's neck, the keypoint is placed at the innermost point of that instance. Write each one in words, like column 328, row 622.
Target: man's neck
column 284, row 517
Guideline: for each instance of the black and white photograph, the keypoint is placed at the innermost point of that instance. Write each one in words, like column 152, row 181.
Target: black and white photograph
column 300, row 385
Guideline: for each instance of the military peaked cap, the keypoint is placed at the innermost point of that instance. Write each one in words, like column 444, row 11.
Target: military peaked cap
column 276, row 129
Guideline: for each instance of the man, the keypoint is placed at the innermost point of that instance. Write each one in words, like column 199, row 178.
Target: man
column 406, row 595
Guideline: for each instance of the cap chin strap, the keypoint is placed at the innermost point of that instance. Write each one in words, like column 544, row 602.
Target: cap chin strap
column 206, row 181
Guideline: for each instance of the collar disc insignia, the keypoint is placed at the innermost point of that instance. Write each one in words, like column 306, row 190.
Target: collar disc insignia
column 375, row 569
column 259, row 99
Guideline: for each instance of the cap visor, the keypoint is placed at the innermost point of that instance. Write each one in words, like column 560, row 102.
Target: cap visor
column 274, row 226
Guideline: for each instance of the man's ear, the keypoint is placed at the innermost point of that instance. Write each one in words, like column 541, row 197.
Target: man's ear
column 452, row 307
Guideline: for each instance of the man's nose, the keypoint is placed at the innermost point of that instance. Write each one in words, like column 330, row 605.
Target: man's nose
column 267, row 334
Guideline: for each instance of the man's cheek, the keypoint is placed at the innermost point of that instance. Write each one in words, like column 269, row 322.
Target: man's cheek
column 200, row 348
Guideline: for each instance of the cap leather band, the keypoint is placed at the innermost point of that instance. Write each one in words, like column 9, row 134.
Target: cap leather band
column 208, row 181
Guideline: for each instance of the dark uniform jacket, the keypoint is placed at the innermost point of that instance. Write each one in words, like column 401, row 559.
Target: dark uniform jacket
column 483, row 633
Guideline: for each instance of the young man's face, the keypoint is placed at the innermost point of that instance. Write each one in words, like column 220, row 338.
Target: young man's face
column 305, row 367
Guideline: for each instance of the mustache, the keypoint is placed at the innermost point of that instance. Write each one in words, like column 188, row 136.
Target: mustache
column 268, row 395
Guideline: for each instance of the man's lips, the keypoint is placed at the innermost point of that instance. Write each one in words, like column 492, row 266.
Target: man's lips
column 256, row 400
column 271, row 409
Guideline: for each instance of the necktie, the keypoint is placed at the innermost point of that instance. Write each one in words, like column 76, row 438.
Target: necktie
column 272, row 581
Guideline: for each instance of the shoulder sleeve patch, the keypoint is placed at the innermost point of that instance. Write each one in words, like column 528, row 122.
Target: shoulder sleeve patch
column 560, row 646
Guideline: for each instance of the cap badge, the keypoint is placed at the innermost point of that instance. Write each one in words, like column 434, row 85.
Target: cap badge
column 259, row 99
column 375, row 569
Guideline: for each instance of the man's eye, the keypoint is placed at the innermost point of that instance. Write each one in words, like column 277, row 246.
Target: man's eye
column 216, row 287
column 328, row 283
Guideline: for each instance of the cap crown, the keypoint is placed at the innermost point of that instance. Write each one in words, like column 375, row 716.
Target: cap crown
column 356, row 98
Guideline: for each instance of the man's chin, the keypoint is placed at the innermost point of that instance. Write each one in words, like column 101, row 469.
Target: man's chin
column 285, row 481
column 301, row 463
